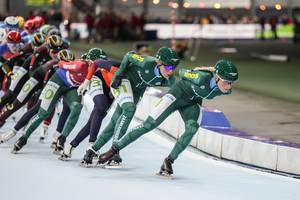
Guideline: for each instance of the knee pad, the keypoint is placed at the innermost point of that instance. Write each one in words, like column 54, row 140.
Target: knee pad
column 191, row 126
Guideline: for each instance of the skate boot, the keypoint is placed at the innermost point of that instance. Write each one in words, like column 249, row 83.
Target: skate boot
column 43, row 132
column 67, row 154
column 60, row 144
column 8, row 135
column 166, row 168
column 19, row 144
column 115, row 161
column 103, row 158
column 96, row 153
column 88, row 157
column 54, row 141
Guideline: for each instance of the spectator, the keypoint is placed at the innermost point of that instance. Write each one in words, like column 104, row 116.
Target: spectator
column 273, row 23
column 89, row 20
column 262, row 22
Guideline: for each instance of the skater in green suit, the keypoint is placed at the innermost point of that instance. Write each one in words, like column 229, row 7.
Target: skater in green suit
column 129, row 83
column 186, row 96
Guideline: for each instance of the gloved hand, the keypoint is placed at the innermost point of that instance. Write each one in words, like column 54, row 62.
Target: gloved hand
column 83, row 87
column 116, row 82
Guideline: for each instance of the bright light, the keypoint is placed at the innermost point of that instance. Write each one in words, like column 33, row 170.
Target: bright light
column 125, row 1
column 262, row 7
column 140, row 1
column 186, row 4
column 69, row 1
column 217, row 5
column 156, row 2
column 278, row 7
column 175, row 5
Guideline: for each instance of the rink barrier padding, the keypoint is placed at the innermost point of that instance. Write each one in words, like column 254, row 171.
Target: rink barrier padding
column 216, row 137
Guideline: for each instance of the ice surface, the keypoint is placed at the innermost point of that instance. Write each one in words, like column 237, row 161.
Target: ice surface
column 36, row 174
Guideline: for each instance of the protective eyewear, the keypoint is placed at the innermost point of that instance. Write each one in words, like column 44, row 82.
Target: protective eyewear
column 169, row 67
column 227, row 81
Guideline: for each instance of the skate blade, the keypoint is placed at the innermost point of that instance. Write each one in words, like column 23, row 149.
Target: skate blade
column 63, row 158
column 56, row 152
column 114, row 166
column 85, row 165
column 163, row 175
column 13, row 151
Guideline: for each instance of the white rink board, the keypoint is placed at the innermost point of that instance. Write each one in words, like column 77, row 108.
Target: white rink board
column 288, row 159
column 210, row 142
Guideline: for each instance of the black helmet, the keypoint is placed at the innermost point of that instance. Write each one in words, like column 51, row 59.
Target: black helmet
column 55, row 42
column 66, row 55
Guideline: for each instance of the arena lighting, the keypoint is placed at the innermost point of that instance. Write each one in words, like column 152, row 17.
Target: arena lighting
column 186, row 5
column 217, row 5
column 140, row 1
column 175, row 5
column 278, row 7
column 125, row 1
column 262, row 7
column 69, row 1
column 156, row 2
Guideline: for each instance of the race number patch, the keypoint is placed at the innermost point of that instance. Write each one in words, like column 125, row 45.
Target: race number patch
column 29, row 85
column 162, row 105
column 124, row 93
column 48, row 94
column 96, row 87
column 19, row 72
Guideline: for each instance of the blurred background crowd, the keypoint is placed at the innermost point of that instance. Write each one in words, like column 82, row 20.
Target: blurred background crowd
column 126, row 19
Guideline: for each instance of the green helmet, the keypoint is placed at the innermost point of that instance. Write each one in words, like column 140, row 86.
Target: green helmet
column 167, row 56
column 226, row 70
column 96, row 53
column 44, row 29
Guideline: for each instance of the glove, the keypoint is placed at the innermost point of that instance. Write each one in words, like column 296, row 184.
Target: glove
column 83, row 87
column 116, row 82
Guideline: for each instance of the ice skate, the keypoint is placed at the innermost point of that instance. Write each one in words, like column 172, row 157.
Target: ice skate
column 19, row 144
column 105, row 157
column 67, row 154
column 166, row 169
column 43, row 133
column 114, row 162
column 59, row 145
column 54, row 141
column 7, row 135
column 88, row 158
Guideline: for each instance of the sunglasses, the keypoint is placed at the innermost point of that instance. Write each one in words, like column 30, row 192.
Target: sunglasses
column 169, row 67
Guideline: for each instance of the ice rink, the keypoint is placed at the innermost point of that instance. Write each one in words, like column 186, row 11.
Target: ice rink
column 36, row 174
